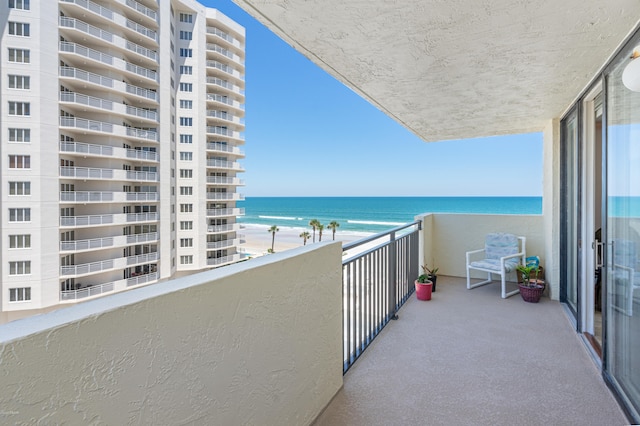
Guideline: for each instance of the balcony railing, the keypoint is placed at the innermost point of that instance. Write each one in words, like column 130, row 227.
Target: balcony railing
column 94, row 7
column 221, row 147
column 225, row 212
column 142, row 279
column 215, row 261
column 224, row 228
column 223, row 180
column 224, row 164
column 142, row 9
column 83, row 123
column 224, row 196
column 375, row 284
column 87, row 291
column 108, row 219
column 212, row 245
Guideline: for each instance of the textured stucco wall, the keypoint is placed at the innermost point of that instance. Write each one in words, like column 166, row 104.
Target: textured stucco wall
column 551, row 205
column 253, row 343
column 449, row 236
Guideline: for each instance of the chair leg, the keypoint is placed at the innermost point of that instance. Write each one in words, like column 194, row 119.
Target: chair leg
column 504, row 287
column 470, row 286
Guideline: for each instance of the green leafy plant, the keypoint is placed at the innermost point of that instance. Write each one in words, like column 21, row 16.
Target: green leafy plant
column 429, row 272
column 527, row 271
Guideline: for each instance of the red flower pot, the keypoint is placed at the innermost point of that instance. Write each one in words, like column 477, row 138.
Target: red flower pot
column 423, row 290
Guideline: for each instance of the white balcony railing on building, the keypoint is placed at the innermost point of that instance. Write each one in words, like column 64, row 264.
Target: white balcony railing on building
column 108, row 219
column 94, row 243
column 108, row 151
column 104, row 265
column 67, row 22
column 142, row 258
column 92, row 101
column 224, row 164
column 142, row 196
column 83, row 123
column 104, row 81
column 224, row 228
column 224, row 196
column 142, row 29
column 212, row 97
column 224, row 36
column 142, row 113
column 140, row 50
column 142, row 238
column 142, row 9
column 95, row 173
column 226, row 69
column 211, row 245
column 217, row 130
column 87, row 291
column 216, row 261
column 142, row 279
column 143, row 133
column 223, row 180
column 86, row 196
column 94, row 7
column 225, row 212
column 104, row 58
column 221, row 147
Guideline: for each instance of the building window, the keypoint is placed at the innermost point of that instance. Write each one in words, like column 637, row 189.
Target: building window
column 186, row 138
column 186, row 53
column 19, row 161
column 19, row 294
column 186, row 260
column 186, row 17
column 19, row 55
column 19, row 135
column 186, row 190
column 19, row 108
column 186, row 35
column 19, row 4
column 186, row 208
column 186, row 69
column 20, row 267
column 20, row 241
column 186, row 173
column 186, row 87
column 186, row 225
column 184, row 104
column 186, row 156
column 20, row 215
column 186, row 121
column 186, row 242
column 19, row 29
column 19, row 188
column 19, row 82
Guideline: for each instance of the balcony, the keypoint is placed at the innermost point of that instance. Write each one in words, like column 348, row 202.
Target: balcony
column 224, row 36
column 223, row 180
column 224, row 196
column 106, row 196
column 223, row 131
column 225, row 212
column 100, row 289
column 224, row 164
column 106, row 242
column 85, row 269
column 107, row 219
column 93, row 150
column 216, row 245
column 228, row 70
column 102, row 105
column 225, row 260
column 221, row 229
column 225, row 100
column 467, row 356
column 81, row 77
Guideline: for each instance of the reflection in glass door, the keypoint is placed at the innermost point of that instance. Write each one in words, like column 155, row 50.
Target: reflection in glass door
column 570, row 216
column 622, row 277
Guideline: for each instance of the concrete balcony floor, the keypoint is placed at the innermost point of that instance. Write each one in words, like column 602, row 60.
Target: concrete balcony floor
column 469, row 357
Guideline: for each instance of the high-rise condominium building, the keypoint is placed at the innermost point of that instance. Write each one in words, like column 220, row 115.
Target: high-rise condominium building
column 121, row 122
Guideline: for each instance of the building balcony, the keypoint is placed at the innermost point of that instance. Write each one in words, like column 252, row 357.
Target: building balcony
column 226, row 117
column 107, row 174
column 226, row 243
column 79, row 78
column 107, row 219
column 222, row 35
column 99, row 127
column 225, row 260
column 231, row 88
column 226, row 70
column 225, row 148
column 109, row 287
column 466, row 356
column 97, row 151
column 223, row 131
column 222, row 196
column 101, row 59
column 225, row 212
column 225, row 54
column 107, row 242
column 224, row 164
column 71, row 99
column 222, row 229
column 108, row 39
column 142, row 11
column 69, row 197
column 223, row 180
column 226, row 101
column 85, row 269
column 94, row 13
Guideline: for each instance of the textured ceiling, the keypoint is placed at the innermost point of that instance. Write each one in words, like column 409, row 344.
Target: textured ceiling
column 453, row 69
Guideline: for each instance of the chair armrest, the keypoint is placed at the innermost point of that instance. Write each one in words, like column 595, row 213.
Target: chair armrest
column 513, row 255
column 469, row 253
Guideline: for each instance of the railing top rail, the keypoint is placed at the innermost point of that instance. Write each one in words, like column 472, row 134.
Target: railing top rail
column 374, row 237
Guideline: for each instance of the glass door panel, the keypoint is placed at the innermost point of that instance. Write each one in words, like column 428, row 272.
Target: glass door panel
column 622, row 277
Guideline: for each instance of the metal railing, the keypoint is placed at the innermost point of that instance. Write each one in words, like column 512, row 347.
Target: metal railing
column 376, row 283
column 86, row 292
column 83, row 123
column 142, row 9
column 86, row 76
column 141, row 279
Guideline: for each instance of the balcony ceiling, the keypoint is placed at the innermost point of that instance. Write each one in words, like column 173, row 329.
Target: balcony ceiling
column 453, row 69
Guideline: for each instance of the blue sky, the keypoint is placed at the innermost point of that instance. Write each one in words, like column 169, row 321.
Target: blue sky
column 309, row 135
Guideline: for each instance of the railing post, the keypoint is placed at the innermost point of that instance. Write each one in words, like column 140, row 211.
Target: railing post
column 393, row 277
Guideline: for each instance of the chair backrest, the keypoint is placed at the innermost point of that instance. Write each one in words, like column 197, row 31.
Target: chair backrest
column 624, row 253
column 498, row 244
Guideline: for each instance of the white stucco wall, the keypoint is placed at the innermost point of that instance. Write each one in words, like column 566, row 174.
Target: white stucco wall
column 447, row 237
column 258, row 342
column 551, row 205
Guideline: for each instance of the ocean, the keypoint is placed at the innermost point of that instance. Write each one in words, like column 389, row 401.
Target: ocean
column 373, row 214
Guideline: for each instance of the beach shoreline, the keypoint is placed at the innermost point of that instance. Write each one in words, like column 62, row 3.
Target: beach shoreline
column 258, row 238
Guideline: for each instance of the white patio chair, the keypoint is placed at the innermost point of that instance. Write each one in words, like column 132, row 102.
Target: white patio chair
column 626, row 276
column 502, row 253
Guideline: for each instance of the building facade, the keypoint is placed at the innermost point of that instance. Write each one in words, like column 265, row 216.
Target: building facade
column 121, row 125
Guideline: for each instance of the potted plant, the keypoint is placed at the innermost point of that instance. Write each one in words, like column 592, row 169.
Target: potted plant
column 423, row 287
column 431, row 275
column 531, row 285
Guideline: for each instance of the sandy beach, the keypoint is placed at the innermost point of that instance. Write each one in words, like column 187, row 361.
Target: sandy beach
column 258, row 238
